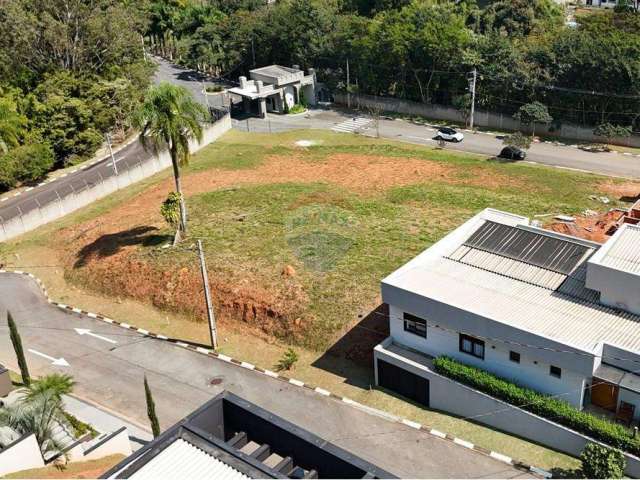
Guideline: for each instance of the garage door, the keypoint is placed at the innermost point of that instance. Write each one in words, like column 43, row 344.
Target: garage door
column 405, row 383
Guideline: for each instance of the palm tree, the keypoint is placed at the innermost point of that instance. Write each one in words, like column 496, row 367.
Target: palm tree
column 168, row 118
column 12, row 125
column 40, row 411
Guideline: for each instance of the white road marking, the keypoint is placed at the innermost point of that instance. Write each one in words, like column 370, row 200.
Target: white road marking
column 352, row 125
column 86, row 331
column 59, row 362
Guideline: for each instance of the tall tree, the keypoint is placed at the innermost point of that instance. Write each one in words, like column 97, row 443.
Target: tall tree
column 168, row 118
column 151, row 409
column 12, row 124
column 16, row 341
column 532, row 113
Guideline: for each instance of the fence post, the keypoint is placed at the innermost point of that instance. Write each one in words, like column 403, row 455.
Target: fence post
column 59, row 201
column 21, row 219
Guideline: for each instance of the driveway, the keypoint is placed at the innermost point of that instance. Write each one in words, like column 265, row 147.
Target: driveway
column 111, row 374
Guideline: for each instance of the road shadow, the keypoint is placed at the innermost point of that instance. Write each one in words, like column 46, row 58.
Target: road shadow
column 351, row 357
column 112, row 243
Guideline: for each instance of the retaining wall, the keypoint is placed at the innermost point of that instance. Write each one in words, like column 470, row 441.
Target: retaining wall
column 453, row 397
column 75, row 200
column 482, row 118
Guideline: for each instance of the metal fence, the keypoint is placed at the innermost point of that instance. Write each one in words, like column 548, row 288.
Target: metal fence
column 72, row 191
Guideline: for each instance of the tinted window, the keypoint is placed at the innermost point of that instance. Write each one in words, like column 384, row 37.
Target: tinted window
column 514, row 356
column 415, row 325
column 555, row 371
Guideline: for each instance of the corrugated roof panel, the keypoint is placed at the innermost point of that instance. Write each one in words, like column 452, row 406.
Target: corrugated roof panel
column 535, row 248
column 552, row 314
column 183, row 460
column 624, row 254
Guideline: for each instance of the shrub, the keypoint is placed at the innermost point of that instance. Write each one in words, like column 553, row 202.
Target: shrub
column 545, row 406
column 517, row 139
column 170, row 209
column 599, row 461
column 297, row 108
column 289, row 358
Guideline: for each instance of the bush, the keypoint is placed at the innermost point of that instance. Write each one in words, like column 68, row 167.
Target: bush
column 548, row 407
column 297, row 108
column 517, row 139
column 599, row 461
column 170, row 209
column 289, row 358
column 26, row 163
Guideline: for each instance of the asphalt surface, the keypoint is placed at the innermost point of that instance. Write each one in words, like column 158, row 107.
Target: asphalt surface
column 562, row 156
column 86, row 176
column 111, row 374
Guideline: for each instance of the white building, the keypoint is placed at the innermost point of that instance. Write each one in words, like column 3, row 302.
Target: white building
column 274, row 86
column 552, row 312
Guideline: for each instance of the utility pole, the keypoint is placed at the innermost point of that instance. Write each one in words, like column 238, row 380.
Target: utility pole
column 348, row 93
column 207, row 296
column 113, row 160
column 473, row 97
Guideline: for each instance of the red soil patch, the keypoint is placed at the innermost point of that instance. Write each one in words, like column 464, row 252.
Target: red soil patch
column 626, row 191
column 595, row 228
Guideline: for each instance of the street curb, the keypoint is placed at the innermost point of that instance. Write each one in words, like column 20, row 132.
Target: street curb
column 82, row 166
column 319, row 390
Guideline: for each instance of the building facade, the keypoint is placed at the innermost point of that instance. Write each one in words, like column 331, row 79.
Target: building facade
column 276, row 89
column 551, row 312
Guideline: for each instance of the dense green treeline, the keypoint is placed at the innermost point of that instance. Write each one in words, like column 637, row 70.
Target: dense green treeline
column 70, row 71
column 424, row 50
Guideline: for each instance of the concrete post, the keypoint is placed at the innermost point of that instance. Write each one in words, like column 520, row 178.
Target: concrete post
column 263, row 108
column 243, row 82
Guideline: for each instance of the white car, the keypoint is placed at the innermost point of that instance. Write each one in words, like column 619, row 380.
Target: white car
column 449, row 134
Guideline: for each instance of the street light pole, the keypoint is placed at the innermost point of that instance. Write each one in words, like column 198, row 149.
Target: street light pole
column 113, row 160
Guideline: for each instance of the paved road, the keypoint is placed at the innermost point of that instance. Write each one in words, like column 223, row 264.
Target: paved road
column 111, row 375
column 612, row 164
column 77, row 181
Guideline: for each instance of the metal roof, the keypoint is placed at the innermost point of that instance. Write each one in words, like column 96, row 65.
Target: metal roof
column 548, row 252
column 624, row 253
column 510, row 290
column 183, row 460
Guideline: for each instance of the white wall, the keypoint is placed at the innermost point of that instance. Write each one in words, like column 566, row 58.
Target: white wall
column 22, row 455
column 116, row 442
column 450, row 396
column 496, row 360
column 289, row 95
column 46, row 213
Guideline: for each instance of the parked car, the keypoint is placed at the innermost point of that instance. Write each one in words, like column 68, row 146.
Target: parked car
column 513, row 153
column 449, row 134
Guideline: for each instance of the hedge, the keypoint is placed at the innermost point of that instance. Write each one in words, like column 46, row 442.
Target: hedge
column 545, row 406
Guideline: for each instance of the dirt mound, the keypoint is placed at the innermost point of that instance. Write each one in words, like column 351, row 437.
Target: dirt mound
column 596, row 228
column 180, row 290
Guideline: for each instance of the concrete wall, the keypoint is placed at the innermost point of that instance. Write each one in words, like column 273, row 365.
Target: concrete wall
column 482, row 118
column 5, row 382
column 453, row 397
column 110, row 444
column 23, row 454
column 73, row 201
column 496, row 359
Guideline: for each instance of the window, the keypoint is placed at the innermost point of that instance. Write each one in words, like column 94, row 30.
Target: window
column 472, row 346
column 514, row 356
column 555, row 371
column 415, row 325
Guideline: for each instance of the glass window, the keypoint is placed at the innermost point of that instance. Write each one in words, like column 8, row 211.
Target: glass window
column 415, row 325
column 555, row 371
column 472, row 346
column 514, row 356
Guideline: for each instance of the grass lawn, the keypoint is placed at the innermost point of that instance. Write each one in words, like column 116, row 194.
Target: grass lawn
column 296, row 240
column 89, row 469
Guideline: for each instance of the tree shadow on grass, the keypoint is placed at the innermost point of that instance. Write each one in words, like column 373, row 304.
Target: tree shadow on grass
column 351, row 357
column 112, row 243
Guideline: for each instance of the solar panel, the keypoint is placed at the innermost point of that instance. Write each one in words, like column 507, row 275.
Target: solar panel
column 555, row 254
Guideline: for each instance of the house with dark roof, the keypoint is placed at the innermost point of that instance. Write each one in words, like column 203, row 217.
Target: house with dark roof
column 231, row 438
column 552, row 312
